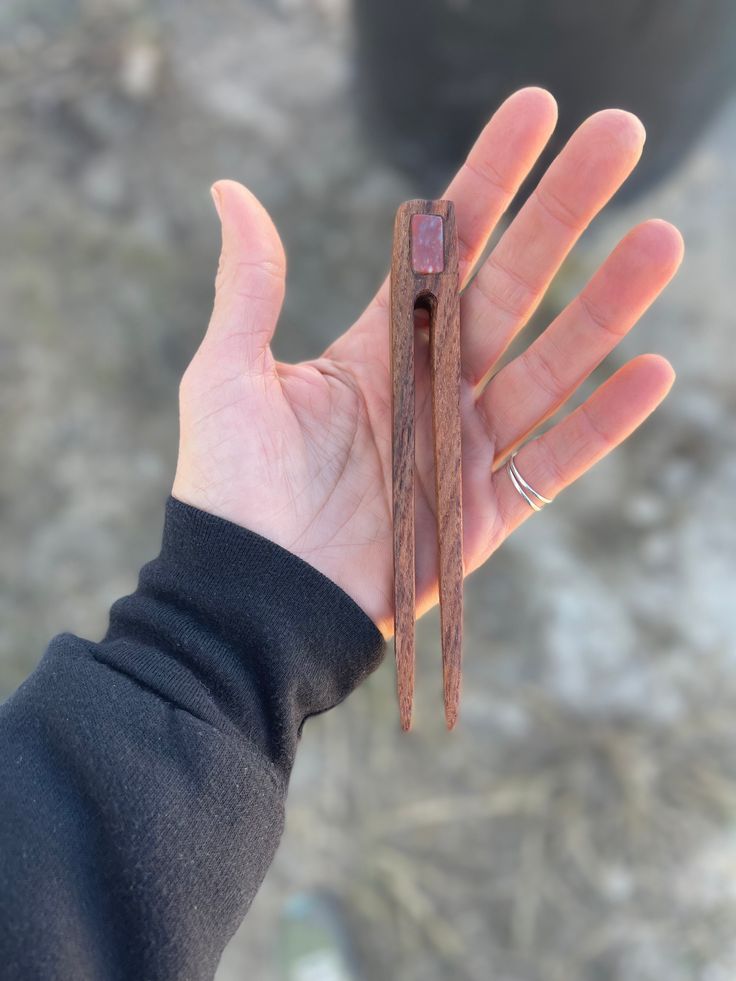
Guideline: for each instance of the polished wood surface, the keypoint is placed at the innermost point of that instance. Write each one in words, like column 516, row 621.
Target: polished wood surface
column 437, row 292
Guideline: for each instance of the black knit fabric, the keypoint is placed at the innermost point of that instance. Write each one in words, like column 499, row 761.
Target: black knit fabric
column 143, row 778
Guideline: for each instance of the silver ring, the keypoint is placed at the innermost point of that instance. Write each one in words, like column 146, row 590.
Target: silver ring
column 522, row 487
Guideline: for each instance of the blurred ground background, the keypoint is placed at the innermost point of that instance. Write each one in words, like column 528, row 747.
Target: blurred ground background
column 581, row 823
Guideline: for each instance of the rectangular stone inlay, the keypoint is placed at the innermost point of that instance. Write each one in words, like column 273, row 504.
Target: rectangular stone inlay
column 427, row 244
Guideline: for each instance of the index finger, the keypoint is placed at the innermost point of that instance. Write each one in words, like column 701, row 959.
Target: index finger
column 494, row 170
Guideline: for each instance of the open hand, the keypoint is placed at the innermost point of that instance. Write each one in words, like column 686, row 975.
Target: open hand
column 301, row 453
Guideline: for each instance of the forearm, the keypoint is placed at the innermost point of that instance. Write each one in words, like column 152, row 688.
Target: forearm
column 144, row 777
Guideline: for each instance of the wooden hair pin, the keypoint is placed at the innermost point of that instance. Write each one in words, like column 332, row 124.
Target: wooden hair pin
column 424, row 274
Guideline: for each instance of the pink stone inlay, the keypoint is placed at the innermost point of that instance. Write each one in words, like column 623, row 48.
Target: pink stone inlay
column 427, row 244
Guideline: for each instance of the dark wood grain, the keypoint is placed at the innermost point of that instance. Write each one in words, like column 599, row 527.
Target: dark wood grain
column 438, row 292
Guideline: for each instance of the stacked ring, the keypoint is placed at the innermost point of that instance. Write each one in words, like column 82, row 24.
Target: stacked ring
column 536, row 501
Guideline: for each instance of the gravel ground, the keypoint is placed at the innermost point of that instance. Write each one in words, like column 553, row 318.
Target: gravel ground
column 580, row 823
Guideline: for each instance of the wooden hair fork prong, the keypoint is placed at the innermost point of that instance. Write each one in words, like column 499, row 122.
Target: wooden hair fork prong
column 424, row 273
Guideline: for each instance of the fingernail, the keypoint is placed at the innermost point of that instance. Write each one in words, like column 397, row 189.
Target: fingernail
column 216, row 198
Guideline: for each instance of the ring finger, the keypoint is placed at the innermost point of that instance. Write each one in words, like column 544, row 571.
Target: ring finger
column 557, row 458
column 529, row 389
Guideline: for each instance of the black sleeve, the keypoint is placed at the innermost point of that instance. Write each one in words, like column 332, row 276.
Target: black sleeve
column 143, row 778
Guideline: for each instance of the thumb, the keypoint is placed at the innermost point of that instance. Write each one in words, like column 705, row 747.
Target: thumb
column 250, row 283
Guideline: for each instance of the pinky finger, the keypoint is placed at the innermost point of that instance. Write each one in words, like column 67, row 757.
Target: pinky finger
column 566, row 451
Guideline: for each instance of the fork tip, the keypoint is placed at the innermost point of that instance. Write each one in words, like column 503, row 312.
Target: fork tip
column 451, row 714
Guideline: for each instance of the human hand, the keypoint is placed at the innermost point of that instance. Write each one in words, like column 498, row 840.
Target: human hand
column 301, row 453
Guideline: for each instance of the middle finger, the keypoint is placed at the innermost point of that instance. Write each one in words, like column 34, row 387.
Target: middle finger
column 499, row 301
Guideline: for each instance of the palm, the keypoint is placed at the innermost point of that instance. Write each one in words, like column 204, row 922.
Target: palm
column 371, row 373
column 302, row 453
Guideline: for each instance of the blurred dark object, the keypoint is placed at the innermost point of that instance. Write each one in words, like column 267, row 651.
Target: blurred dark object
column 432, row 71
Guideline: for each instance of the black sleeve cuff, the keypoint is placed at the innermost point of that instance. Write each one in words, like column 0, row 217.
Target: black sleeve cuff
column 240, row 632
